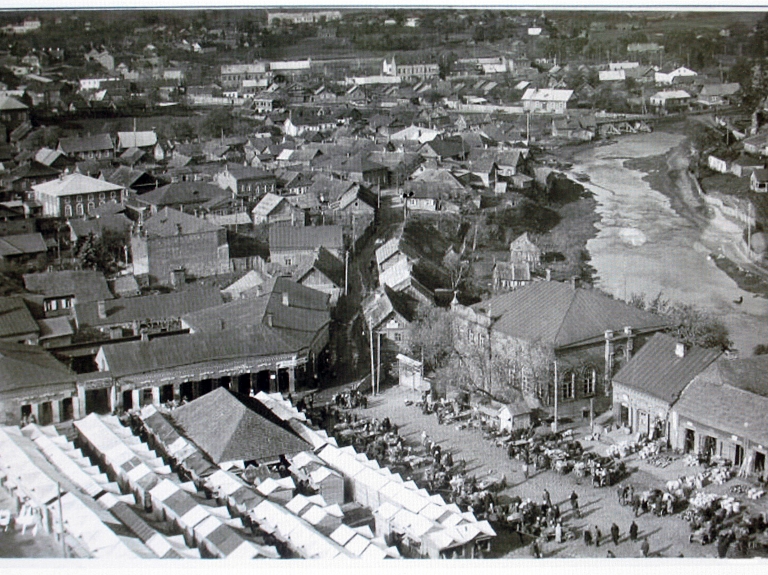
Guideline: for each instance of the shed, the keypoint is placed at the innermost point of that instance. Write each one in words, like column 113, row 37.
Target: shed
column 411, row 374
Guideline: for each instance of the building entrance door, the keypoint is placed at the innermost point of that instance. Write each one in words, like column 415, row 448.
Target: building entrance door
column 642, row 422
column 690, row 441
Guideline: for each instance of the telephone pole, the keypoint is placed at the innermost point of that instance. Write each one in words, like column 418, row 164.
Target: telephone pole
column 373, row 364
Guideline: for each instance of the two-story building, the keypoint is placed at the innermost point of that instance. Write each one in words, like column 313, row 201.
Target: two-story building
column 292, row 247
column 96, row 147
column 546, row 100
column 76, row 195
column 246, row 182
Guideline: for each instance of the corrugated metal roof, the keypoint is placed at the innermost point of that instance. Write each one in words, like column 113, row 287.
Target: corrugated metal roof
column 658, row 371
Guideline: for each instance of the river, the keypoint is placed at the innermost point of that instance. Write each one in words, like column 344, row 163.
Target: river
column 643, row 246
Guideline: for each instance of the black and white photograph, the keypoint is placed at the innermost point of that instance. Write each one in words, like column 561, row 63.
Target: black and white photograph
column 383, row 283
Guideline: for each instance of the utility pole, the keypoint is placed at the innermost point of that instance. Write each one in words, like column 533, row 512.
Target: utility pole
column 61, row 522
column 373, row 364
column 554, row 423
column 378, row 364
column 346, row 271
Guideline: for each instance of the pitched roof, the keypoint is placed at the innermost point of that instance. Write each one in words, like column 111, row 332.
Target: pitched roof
column 229, row 426
column 7, row 103
column 155, row 307
column 136, row 139
column 299, row 321
column 283, row 238
column 523, row 243
column 115, row 222
column 51, row 327
column 20, row 244
column 721, row 398
column 15, row 318
column 249, row 281
column 267, row 205
column 181, row 193
column 95, row 143
column 28, row 366
column 33, row 169
column 142, row 357
column 85, row 285
column 557, row 314
column 47, row 156
column 169, row 222
column 747, row 374
column 381, row 303
column 547, row 95
column 658, row 371
column 327, row 264
column 124, row 176
column 76, row 183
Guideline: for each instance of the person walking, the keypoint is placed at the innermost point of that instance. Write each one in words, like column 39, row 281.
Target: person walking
column 575, row 504
column 598, row 535
column 645, row 547
column 547, row 499
column 633, row 531
column 535, row 549
column 615, row 534
column 636, row 505
column 525, row 470
column 559, row 532
column 587, row 537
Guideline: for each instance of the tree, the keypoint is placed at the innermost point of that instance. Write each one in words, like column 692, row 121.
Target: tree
column 693, row 326
column 430, row 337
column 100, row 253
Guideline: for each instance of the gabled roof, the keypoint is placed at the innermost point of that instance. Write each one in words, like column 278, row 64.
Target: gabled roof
column 381, row 303
column 267, row 205
column 283, row 238
column 229, row 426
column 84, row 285
column 523, row 244
column 15, row 318
column 114, row 222
column 75, row 145
column 136, row 139
column 731, row 396
column 154, row 307
column 73, row 184
column 555, row 313
column 248, row 173
column 145, row 357
column 124, row 176
column 28, row 366
column 656, row 370
column 169, row 222
column 7, row 104
column 307, row 312
column 547, row 95
column 21, row 244
column 181, row 193
column 33, row 169
column 47, row 156
column 328, row 265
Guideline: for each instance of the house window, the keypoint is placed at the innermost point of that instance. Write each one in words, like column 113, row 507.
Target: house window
column 398, row 336
column 79, row 209
column 91, row 207
column 67, row 211
column 588, row 378
column 567, row 387
column 288, row 261
column 112, row 195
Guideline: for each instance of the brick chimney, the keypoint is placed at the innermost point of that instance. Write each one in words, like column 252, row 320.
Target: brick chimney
column 286, row 301
column 549, row 274
column 101, row 306
column 680, row 349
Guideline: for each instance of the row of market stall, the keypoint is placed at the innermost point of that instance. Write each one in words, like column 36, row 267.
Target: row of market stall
column 142, row 472
column 56, row 486
column 307, row 527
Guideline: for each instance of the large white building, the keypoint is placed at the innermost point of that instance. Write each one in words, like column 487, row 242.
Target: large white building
column 546, row 100
column 76, row 195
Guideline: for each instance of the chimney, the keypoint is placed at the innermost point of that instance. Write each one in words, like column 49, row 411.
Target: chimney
column 680, row 349
column 144, row 335
column 269, row 319
column 574, row 282
column 549, row 274
column 286, row 301
column 101, row 305
column 223, row 324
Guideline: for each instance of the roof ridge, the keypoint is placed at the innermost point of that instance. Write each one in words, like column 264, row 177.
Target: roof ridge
column 574, row 293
